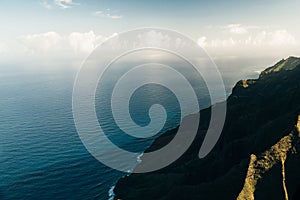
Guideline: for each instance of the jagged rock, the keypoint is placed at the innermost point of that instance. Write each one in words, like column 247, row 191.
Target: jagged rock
column 278, row 153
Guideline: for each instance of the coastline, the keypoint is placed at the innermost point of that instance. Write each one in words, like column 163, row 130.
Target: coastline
column 111, row 193
column 161, row 140
column 253, row 126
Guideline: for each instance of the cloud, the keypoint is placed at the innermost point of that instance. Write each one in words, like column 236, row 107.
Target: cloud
column 202, row 41
column 274, row 38
column 106, row 14
column 154, row 38
column 65, row 3
column 84, row 42
column 224, row 42
column 3, row 48
column 53, row 43
column 282, row 37
column 237, row 28
column 45, row 4
column 41, row 42
column 261, row 37
column 240, row 40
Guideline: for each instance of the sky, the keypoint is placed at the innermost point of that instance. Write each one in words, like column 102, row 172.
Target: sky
column 56, row 30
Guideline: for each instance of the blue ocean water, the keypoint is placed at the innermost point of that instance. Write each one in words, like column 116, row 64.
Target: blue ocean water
column 41, row 155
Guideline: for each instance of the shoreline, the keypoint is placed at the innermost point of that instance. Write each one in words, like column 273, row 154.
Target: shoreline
column 111, row 194
column 166, row 133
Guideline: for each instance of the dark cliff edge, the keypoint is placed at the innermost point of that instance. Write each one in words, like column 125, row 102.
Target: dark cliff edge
column 256, row 157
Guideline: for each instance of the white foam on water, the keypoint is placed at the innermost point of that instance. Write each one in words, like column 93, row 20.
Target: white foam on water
column 111, row 193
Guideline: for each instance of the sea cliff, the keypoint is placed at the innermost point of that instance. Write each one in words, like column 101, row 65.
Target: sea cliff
column 256, row 157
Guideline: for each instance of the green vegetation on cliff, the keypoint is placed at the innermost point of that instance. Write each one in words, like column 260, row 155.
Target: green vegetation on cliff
column 257, row 156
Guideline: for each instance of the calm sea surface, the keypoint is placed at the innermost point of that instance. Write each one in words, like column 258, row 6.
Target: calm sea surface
column 41, row 155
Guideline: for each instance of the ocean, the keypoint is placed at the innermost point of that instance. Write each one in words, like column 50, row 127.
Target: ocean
column 41, row 155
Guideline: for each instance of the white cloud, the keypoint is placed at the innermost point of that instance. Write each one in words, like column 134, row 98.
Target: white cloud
column 282, row 37
column 114, row 16
column 106, row 14
column 258, row 38
column 53, row 48
column 272, row 38
column 84, row 42
column 53, row 43
column 153, row 38
column 237, row 28
column 45, row 4
column 224, row 42
column 202, row 41
column 41, row 42
column 79, row 44
column 3, row 48
column 65, row 3
column 239, row 40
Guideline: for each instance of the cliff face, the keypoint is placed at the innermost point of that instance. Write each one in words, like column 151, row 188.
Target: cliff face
column 257, row 156
column 277, row 154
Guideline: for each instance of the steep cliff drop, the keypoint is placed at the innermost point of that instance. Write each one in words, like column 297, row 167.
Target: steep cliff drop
column 259, row 165
column 257, row 156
